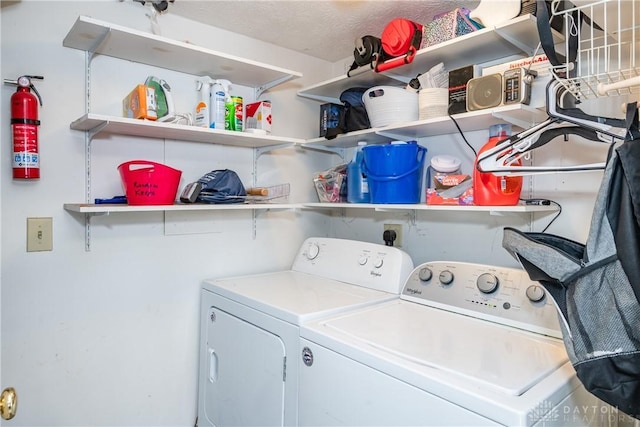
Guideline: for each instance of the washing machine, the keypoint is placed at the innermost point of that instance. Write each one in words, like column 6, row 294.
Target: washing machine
column 464, row 345
column 249, row 330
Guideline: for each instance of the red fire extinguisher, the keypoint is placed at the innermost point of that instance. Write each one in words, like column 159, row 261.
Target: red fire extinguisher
column 24, row 128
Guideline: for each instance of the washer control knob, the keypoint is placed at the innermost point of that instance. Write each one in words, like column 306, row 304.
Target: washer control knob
column 363, row 260
column 425, row 274
column 445, row 277
column 313, row 250
column 378, row 262
column 535, row 293
column 487, row 283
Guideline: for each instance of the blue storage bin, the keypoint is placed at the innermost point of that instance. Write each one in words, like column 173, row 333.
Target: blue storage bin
column 394, row 172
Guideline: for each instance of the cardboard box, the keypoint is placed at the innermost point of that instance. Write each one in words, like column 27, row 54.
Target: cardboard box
column 258, row 116
column 140, row 103
column 433, row 198
column 329, row 117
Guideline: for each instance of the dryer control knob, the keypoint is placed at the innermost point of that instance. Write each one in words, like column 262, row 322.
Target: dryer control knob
column 487, row 283
column 313, row 250
column 425, row 274
column 445, row 277
column 363, row 260
column 535, row 293
column 378, row 263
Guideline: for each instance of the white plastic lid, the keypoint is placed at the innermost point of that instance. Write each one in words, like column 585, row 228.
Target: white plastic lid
column 444, row 163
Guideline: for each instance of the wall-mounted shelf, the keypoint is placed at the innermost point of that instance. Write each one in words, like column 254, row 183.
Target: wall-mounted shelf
column 96, row 37
column 520, row 115
column 97, row 124
column 515, row 37
column 425, row 207
column 102, row 38
column 97, row 209
column 84, row 208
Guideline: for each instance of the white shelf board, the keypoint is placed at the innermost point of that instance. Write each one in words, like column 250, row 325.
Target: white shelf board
column 515, row 37
column 347, row 140
column 330, row 90
column 105, row 125
column 424, row 207
column 95, row 36
column 517, row 114
column 114, row 208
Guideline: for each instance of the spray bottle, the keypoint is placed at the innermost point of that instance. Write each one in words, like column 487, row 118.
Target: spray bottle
column 219, row 95
column 203, row 107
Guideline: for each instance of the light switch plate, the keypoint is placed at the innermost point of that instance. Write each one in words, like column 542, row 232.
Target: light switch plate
column 39, row 234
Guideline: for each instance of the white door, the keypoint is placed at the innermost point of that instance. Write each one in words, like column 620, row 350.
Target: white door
column 244, row 373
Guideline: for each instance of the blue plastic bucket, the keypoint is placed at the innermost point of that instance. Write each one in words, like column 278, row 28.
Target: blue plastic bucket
column 394, row 172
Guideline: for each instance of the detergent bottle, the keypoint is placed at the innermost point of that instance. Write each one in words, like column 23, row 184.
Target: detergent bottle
column 202, row 115
column 219, row 94
column 495, row 190
column 357, row 184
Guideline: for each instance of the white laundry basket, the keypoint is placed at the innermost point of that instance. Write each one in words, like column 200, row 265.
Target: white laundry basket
column 388, row 105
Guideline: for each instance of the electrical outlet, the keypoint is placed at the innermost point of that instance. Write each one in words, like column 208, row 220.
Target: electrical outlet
column 398, row 229
column 39, row 234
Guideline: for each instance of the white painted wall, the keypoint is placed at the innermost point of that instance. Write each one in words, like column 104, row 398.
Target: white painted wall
column 109, row 337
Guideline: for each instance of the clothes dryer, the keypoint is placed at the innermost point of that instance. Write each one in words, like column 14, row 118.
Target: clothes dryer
column 249, row 335
column 465, row 344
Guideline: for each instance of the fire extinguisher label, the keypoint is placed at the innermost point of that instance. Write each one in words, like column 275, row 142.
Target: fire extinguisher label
column 26, row 160
column 25, row 146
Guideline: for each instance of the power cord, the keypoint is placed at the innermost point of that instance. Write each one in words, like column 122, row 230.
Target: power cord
column 543, row 202
column 475, row 153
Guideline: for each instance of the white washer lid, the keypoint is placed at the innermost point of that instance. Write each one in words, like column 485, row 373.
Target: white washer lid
column 294, row 296
column 501, row 357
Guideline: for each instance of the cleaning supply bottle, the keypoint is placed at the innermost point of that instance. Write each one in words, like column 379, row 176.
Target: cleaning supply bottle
column 357, row 184
column 219, row 95
column 495, row 190
column 202, row 115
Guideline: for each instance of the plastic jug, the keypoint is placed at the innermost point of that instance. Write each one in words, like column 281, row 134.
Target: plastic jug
column 494, row 190
column 219, row 96
column 357, row 184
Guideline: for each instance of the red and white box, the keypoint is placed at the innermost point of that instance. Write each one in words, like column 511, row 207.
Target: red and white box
column 258, row 116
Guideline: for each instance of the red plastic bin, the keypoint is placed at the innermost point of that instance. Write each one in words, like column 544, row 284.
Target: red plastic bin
column 149, row 183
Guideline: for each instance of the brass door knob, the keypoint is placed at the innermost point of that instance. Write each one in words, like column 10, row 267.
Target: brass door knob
column 8, row 403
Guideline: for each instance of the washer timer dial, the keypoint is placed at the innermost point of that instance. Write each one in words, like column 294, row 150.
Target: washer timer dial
column 535, row 293
column 425, row 274
column 445, row 277
column 487, row 283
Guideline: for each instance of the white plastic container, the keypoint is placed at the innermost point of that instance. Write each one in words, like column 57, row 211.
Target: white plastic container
column 387, row 105
column 442, row 166
column 433, row 102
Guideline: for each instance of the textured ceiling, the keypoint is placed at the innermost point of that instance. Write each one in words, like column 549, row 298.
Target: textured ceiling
column 319, row 28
